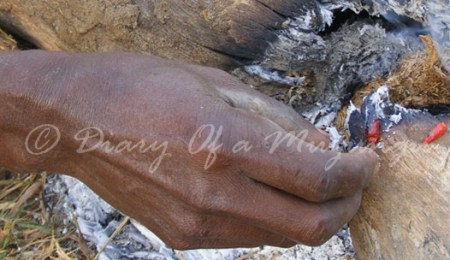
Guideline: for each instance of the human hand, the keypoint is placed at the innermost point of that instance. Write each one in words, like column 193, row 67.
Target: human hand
column 159, row 141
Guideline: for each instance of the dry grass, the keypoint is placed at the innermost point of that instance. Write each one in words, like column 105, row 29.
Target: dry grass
column 28, row 230
column 7, row 42
column 421, row 80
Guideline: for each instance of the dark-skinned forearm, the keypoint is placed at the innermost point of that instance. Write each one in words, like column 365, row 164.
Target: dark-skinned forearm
column 28, row 97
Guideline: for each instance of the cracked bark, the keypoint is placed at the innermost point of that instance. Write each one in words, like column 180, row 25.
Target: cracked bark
column 220, row 34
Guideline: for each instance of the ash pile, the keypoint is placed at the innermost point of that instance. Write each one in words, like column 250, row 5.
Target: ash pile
column 323, row 64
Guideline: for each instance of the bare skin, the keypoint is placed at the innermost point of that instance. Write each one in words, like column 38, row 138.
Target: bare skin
column 190, row 194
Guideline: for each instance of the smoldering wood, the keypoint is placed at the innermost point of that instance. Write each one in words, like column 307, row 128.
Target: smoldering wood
column 343, row 60
column 338, row 59
column 405, row 209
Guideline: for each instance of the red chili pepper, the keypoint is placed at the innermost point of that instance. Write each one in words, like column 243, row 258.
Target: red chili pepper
column 438, row 131
column 373, row 134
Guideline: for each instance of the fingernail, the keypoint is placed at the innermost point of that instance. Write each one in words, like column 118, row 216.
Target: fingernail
column 375, row 158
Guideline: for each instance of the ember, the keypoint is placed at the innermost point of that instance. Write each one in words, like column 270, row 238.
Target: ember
column 438, row 131
column 373, row 135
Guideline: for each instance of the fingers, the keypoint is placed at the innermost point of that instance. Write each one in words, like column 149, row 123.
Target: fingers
column 240, row 96
column 190, row 226
column 284, row 162
column 260, row 215
column 305, row 222
column 215, row 231
column 300, row 169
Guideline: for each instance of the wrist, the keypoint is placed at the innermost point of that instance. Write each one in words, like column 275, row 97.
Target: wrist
column 25, row 109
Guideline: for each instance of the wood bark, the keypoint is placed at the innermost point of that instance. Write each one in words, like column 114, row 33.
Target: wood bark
column 405, row 211
column 216, row 33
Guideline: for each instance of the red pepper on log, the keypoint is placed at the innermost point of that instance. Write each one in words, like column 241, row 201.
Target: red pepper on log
column 438, row 131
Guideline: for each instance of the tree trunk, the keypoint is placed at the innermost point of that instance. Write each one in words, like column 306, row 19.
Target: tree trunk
column 218, row 33
column 406, row 209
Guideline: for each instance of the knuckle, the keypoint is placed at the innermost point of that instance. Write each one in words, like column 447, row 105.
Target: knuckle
column 207, row 198
column 286, row 243
column 211, row 155
column 193, row 226
column 181, row 243
column 321, row 230
column 188, row 226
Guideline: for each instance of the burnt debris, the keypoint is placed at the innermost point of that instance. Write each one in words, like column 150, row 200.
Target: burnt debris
column 339, row 46
column 377, row 114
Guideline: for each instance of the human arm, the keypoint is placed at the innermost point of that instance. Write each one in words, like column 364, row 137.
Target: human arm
column 215, row 197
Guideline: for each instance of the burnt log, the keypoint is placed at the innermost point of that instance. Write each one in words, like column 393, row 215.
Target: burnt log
column 219, row 33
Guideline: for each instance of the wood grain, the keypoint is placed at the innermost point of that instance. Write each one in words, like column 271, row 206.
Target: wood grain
column 405, row 211
column 219, row 33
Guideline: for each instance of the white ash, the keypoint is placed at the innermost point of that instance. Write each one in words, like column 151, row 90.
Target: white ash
column 98, row 220
column 414, row 9
column 273, row 76
column 309, row 21
column 326, row 120
column 356, row 52
column 327, row 15
column 323, row 117
column 355, row 6
column 396, row 118
column 305, row 22
column 336, row 139
column 439, row 22
column 380, row 99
